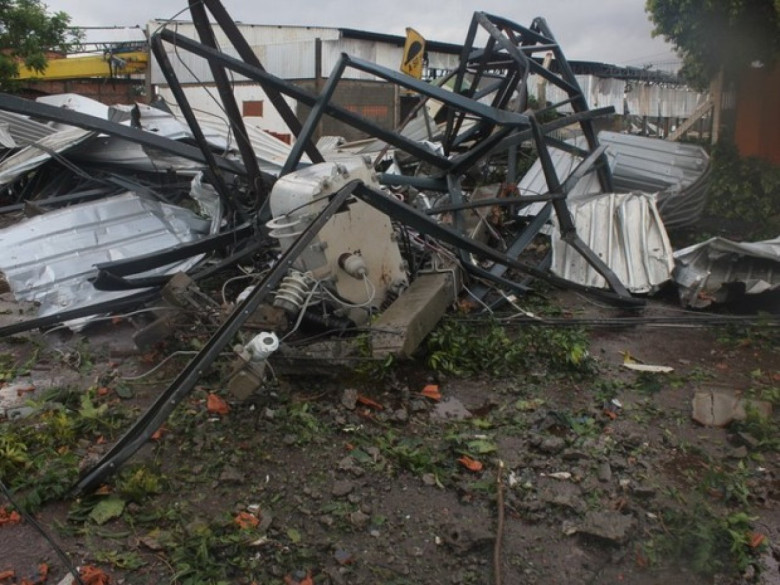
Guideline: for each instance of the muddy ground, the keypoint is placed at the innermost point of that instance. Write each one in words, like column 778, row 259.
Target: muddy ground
column 564, row 469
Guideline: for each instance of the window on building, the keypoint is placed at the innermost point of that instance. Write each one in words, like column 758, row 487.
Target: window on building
column 253, row 108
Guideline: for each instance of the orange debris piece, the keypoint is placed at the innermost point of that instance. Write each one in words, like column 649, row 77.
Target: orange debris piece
column 217, row 405
column 431, row 391
column 470, row 464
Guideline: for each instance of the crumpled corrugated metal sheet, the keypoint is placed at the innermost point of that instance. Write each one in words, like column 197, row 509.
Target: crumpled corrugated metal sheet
column 23, row 130
column 6, row 138
column 114, row 151
column 626, row 232
column 678, row 172
column 37, row 153
column 651, row 164
column 50, row 258
column 704, row 269
column 77, row 103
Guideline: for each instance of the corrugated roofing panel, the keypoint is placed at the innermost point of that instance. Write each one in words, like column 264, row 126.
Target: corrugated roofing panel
column 23, row 130
column 626, row 232
column 678, row 173
column 642, row 100
column 49, row 258
column 652, row 164
column 36, row 154
column 703, row 270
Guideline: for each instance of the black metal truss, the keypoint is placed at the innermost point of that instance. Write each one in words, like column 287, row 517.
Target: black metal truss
column 213, row 172
column 205, row 31
column 112, row 306
column 424, row 224
column 504, row 65
column 145, row 426
column 510, row 49
column 111, row 275
column 496, row 128
column 269, row 81
column 244, row 50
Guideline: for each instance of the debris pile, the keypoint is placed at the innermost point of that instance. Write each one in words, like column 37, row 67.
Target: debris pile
column 121, row 200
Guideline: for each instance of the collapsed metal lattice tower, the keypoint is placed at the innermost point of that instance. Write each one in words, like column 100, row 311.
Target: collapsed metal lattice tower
column 487, row 117
column 490, row 91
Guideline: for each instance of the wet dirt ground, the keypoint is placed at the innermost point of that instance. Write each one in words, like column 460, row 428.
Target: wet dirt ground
column 542, row 476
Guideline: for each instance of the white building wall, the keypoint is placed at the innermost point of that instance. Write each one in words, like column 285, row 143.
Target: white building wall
column 287, row 52
column 292, row 46
column 201, row 100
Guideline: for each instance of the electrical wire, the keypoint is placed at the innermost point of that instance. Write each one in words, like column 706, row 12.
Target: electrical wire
column 205, row 88
column 239, row 277
column 171, row 19
column 370, row 295
column 32, row 522
column 165, row 361
column 303, row 309
column 477, row 299
column 520, row 311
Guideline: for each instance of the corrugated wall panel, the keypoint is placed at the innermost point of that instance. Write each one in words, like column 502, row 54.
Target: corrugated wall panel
column 642, row 100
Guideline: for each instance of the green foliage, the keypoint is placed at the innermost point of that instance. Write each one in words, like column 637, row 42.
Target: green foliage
column 13, row 452
column 39, row 455
column 714, row 34
column 9, row 369
column 764, row 430
column 649, row 383
column 415, row 455
column 745, row 189
column 49, row 478
column 464, row 348
column 706, row 541
column 107, row 509
column 27, row 32
column 124, row 560
column 730, row 484
column 138, row 484
column 369, row 367
column 214, row 553
column 298, row 420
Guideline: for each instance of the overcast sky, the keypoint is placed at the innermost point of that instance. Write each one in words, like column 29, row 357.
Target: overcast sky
column 612, row 31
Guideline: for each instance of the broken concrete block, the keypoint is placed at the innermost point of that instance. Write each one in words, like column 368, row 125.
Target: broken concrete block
column 714, row 408
column 413, row 315
column 609, row 525
column 450, row 409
